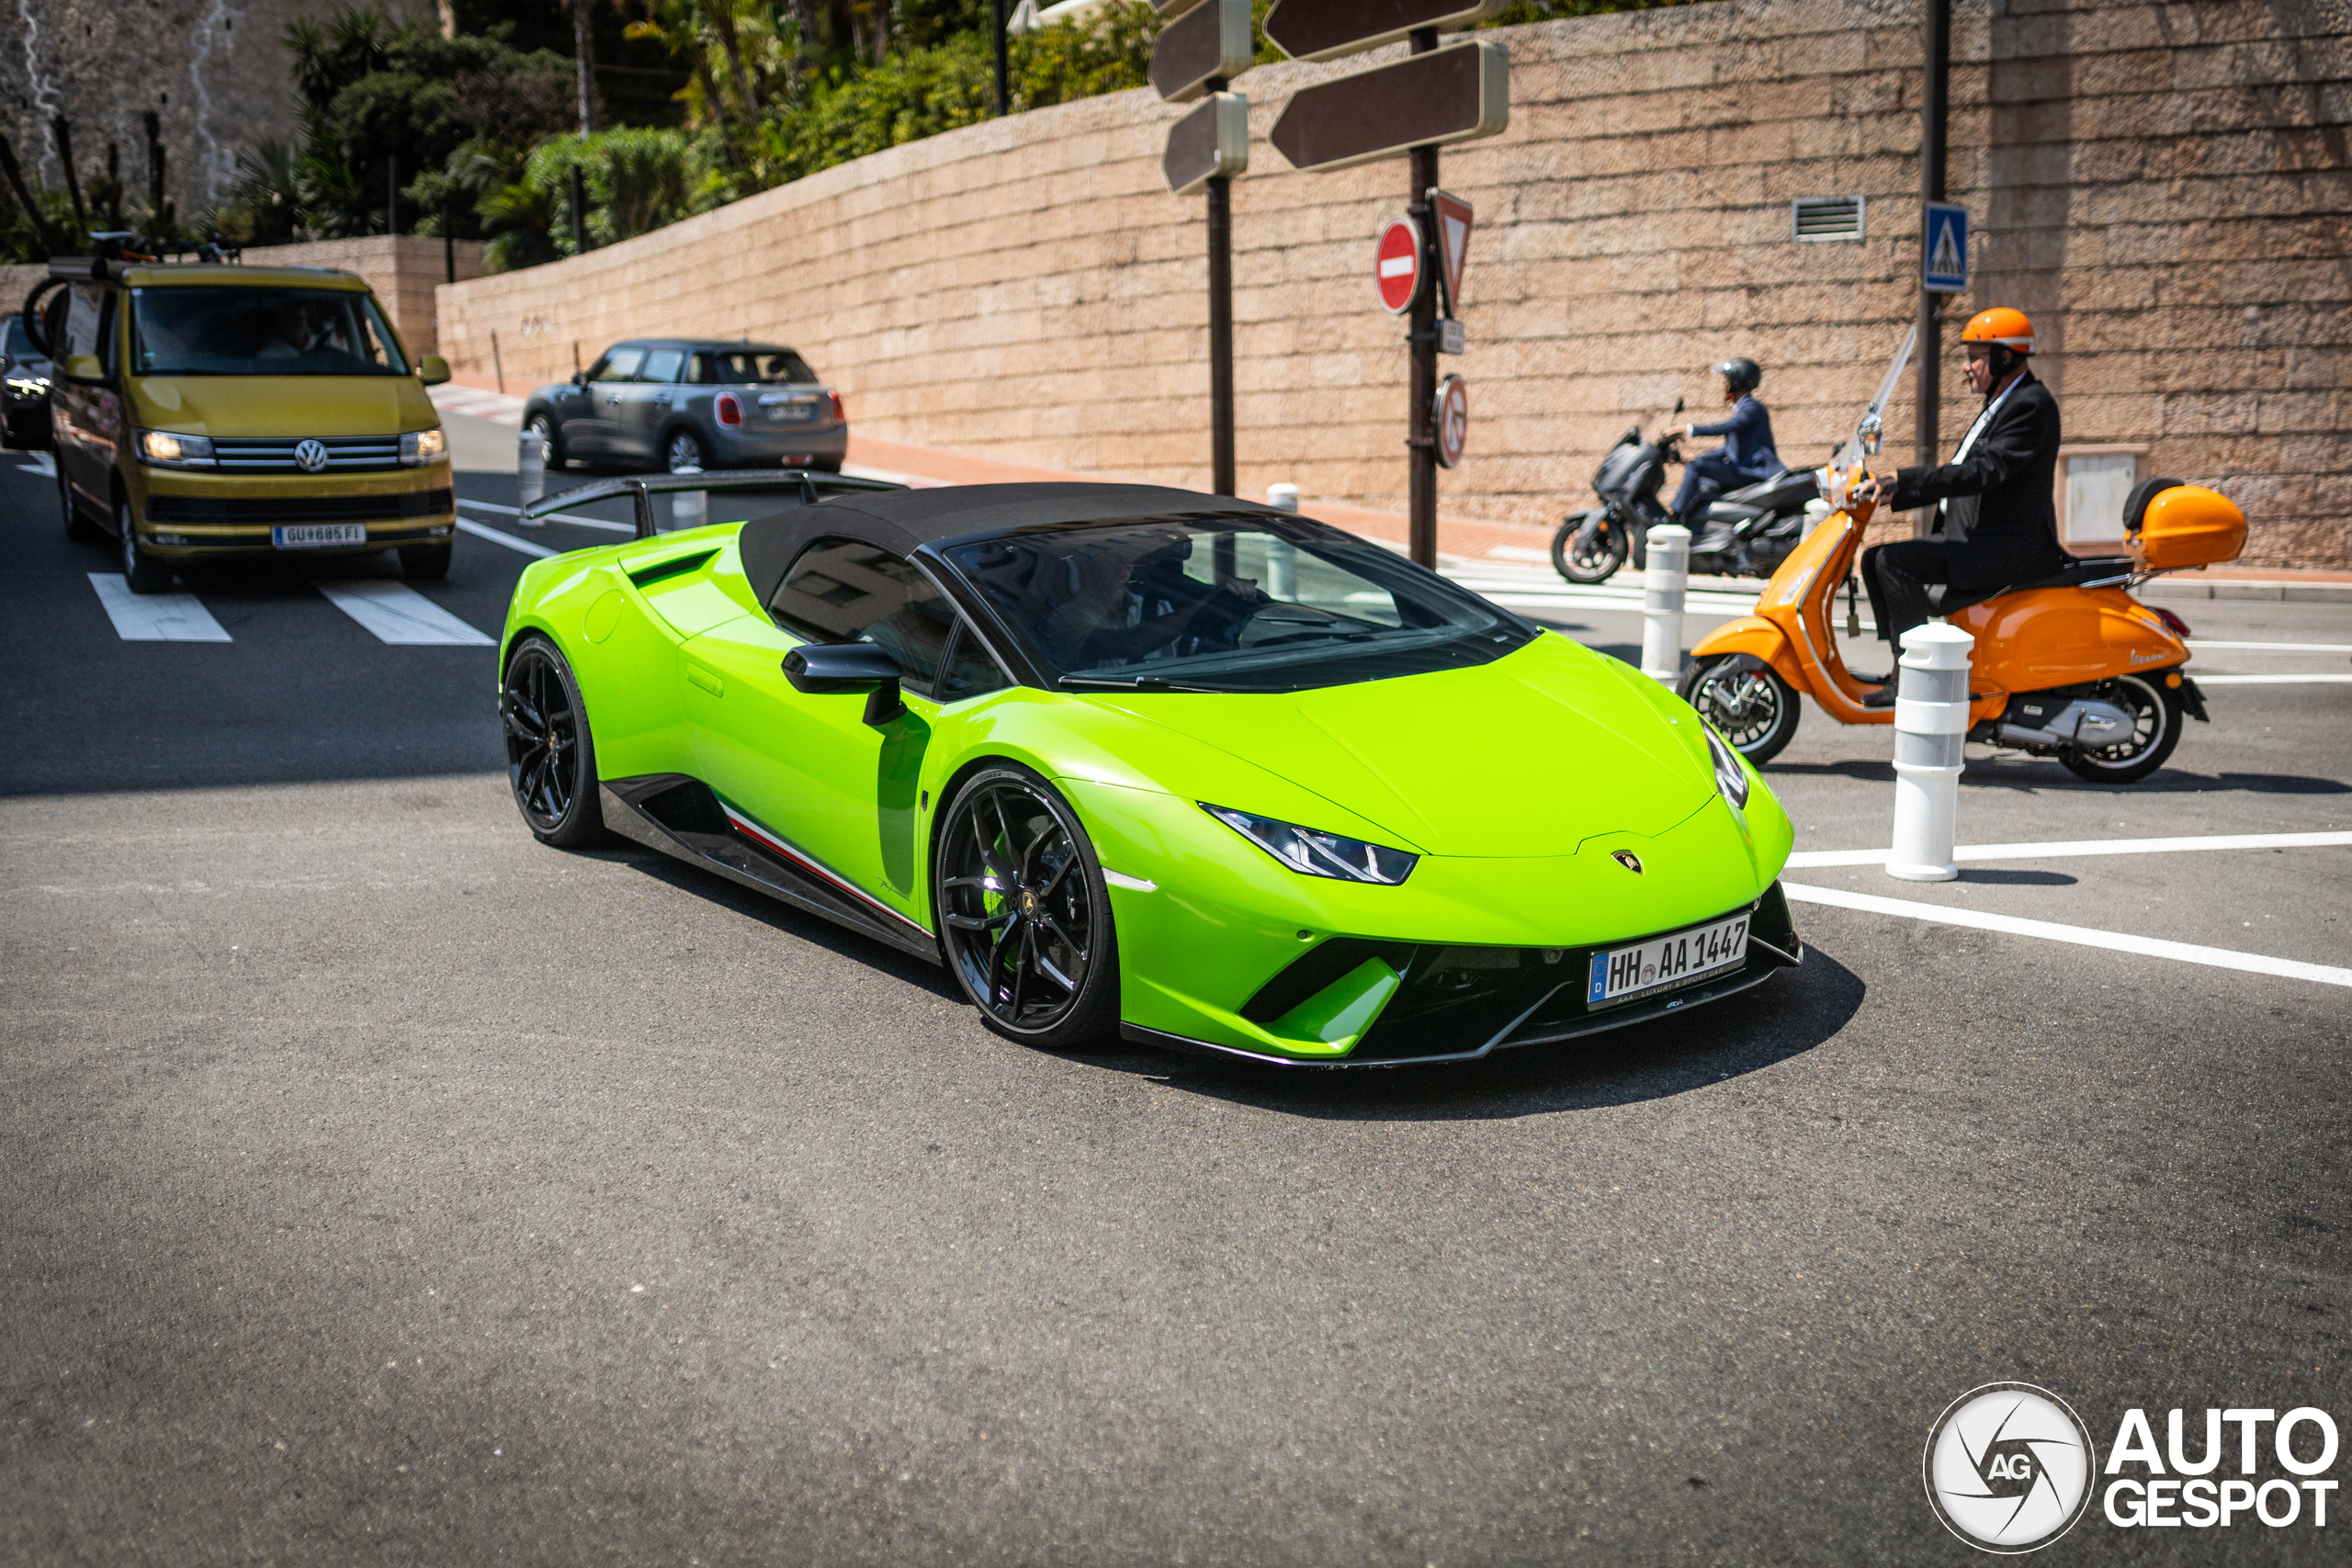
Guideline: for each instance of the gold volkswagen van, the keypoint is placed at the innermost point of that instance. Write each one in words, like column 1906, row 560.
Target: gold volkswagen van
column 218, row 411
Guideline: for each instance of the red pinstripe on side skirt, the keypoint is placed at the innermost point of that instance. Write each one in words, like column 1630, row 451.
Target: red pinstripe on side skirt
column 809, row 863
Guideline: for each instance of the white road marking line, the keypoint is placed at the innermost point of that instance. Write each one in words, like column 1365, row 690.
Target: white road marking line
column 468, row 525
column 154, row 618
column 398, row 614
column 41, row 463
column 2089, row 846
column 2081, row 936
column 2274, row 647
column 608, row 526
column 2271, row 680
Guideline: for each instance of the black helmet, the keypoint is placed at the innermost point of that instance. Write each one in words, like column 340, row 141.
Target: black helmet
column 1744, row 374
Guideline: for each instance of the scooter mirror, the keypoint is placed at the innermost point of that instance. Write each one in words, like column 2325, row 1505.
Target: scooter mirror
column 1873, row 436
column 1677, row 405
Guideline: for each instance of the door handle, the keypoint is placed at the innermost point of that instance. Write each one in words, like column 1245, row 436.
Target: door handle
column 612, row 399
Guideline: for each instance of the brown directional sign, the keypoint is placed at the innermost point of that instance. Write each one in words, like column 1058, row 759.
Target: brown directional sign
column 1213, row 140
column 1456, row 94
column 1209, row 42
column 1326, row 30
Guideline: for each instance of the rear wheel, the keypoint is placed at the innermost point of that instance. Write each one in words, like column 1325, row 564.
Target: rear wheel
column 2155, row 730
column 550, row 758
column 684, row 451
column 549, row 432
column 1746, row 702
column 142, row 573
column 1586, row 558
column 1025, row 919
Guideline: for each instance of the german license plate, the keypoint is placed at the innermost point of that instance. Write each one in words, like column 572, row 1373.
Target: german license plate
column 1668, row 961
column 312, row 536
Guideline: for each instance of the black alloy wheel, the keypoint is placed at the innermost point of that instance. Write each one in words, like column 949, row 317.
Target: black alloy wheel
column 142, row 573
column 1025, row 919
column 1586, row 560
column 1747, row 703
column 684, row 451
column 546, row 429
column 550, row 758
column 2155, row 713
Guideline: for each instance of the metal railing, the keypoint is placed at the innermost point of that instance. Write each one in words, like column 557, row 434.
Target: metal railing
column 811, row 488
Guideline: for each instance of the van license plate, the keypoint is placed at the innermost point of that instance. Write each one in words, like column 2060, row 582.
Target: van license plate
column 1668, row 961
column 312, row 535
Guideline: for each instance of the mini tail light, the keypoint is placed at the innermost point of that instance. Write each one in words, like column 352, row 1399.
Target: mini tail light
column 841, row 415
column 730, row 411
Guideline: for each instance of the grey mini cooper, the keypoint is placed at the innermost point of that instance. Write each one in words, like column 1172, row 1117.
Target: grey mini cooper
column 674, row 404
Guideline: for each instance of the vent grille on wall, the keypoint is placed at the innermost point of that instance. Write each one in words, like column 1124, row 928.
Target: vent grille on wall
column 1826, row 218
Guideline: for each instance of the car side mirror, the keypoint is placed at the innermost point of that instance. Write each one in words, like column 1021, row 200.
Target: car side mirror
column 7, row 365
column 431, row 369
column 580, row 378
column 820, row 667
column 84, row 367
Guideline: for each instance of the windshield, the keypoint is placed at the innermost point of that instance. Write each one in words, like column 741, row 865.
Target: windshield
column 260, row 332
column 1229, row 603
column 750, row 368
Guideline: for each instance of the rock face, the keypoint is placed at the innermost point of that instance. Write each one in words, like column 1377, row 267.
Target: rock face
column 213, row 70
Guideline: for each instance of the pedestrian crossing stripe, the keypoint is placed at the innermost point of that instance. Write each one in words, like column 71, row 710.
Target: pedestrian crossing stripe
column 393, row 612
column 155, row 618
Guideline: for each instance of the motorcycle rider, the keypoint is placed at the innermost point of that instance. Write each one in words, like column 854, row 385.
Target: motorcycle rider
column 1997, row 524
column 1747, row 453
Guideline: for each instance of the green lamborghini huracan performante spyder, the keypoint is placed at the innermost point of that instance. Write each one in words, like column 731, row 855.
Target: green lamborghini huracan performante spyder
column 1139, row 761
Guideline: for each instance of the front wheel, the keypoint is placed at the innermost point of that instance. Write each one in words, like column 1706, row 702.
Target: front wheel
column 2155, row 729
column 1587, row 556
column 551, row 756
column 142, row 573
column 1747, row 702
column 552, row 435
column 1024, row 917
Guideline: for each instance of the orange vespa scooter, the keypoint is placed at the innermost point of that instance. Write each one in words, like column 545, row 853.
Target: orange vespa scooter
column 2070, row 666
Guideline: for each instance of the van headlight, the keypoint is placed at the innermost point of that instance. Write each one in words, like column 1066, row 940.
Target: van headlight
column 1313, row 853
column 1730, row 774
column 419, row 447
column 170, row 449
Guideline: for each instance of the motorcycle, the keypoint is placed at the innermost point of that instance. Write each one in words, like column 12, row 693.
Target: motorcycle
column 2069, row 666
column 1743, row 533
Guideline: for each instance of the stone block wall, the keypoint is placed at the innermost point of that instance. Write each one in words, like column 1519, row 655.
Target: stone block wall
column 2161, row 185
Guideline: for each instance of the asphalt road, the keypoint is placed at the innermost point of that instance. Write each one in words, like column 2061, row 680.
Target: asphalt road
column 380, row 1185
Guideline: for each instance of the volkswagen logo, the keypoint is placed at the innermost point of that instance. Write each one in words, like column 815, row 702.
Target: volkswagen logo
column 309, row 455
column 1629, row 860
column 2008, row 1468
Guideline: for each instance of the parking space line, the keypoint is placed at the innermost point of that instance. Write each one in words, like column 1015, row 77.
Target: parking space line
column 2080, row 936
column 2068, row 847
column 2274, row 647
column 2274, row 680
column 571, row 517
column 41, row 463
column 154, row 618
column 398, row 614
column 468, row 525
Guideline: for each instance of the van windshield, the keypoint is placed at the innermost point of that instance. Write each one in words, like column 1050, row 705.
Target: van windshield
column 197, row 330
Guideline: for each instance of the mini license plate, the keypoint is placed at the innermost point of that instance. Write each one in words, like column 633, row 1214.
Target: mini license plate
column 312, row 535
column 1668, row 961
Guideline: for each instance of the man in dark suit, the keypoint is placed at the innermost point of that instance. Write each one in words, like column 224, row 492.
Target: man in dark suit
column 1996, row 524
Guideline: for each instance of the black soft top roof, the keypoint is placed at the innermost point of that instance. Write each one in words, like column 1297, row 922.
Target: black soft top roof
column 903, row 521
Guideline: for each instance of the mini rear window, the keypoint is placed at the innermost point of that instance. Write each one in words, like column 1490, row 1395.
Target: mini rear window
column 751, row 367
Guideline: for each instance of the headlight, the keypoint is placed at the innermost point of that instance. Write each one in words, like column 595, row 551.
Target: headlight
column 1731, row 776
column 170, row 449
column 1317, row 854
column 420, row 446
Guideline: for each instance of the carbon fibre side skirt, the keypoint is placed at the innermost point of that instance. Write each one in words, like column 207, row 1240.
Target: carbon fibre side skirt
column 680, row 816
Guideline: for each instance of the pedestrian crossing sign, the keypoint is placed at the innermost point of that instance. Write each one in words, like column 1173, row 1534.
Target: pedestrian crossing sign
column 1943, row 255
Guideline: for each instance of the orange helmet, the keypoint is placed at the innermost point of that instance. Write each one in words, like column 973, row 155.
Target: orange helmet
column 2002, row 325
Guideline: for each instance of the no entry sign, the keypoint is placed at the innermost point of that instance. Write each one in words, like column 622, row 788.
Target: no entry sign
column 1453, row 420
column 1398, row 269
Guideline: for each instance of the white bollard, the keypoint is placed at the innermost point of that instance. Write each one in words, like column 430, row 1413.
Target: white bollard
column 689, row 508
column 1282, row 556
column 530, row 471
column 1930, row 727
column 1663, row 582
column 1816, row 512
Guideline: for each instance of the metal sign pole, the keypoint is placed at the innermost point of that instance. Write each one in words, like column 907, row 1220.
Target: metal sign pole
column 1932, row 97
column 1221, row 480
column 1421, row 442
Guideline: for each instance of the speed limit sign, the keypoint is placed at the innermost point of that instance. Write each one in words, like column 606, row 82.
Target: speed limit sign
column 1452, row 420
